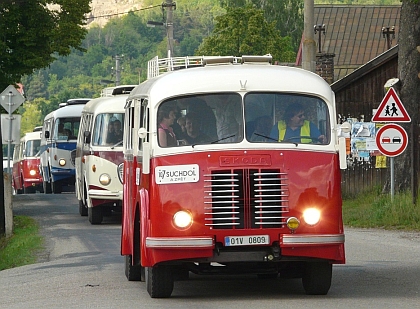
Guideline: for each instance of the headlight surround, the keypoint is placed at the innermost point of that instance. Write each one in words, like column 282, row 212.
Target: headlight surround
column 182, row 219
column 311, row 216
column 62, row 162
column 105, row 179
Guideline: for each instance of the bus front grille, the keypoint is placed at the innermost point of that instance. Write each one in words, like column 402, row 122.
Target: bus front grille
column 245, row 199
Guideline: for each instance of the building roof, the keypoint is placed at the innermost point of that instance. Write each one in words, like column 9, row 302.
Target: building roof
column 354, row 33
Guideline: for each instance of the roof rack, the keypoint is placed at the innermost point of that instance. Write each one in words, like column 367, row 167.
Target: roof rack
column 77, row 101
column 158, row 66
column 117, row 90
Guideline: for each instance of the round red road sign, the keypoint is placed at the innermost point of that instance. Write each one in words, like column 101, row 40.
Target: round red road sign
column 391, row 140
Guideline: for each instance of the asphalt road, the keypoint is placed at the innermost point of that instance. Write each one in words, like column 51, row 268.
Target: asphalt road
column 82, row 268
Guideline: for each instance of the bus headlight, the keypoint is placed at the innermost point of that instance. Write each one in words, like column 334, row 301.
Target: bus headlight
column 293, row 223
column 32, row 172
column 182, row 219
column 105, row 179
column 311, row 216
column 62, row 162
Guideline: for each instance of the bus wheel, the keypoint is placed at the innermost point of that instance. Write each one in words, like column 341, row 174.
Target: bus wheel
column 133, row 272
column 83, row 211
column 159, row 281
column 56, row 187
column 95, row 215
column 317, row 278
column 28, row 190
column 46, row 187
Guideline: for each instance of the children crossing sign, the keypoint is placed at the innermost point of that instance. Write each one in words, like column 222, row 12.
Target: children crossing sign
column 391, row 109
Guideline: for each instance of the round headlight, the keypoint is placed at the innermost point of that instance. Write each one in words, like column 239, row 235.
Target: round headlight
column 182, row 219
column 62, row 162
column 32, row 172
column 105, row 179
column 293, row 223
column 311, row 216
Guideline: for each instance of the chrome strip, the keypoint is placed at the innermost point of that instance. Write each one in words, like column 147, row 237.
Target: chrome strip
column 179, row 242
column 312, row 239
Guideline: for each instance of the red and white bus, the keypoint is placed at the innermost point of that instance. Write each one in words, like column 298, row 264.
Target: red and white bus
column 237, row 199
column 99, row 155
column 26, row 175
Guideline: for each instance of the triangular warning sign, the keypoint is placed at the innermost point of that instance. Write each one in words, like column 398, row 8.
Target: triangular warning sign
column 391, row 109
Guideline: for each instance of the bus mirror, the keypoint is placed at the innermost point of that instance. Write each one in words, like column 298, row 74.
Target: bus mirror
column 342, row 152
column 86, row 136
column 345, row 127
column 47, row 134
column 146, row 158
column 142, row 132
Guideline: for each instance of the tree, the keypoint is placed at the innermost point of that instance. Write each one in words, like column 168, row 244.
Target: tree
column 409, row 70
column 244, row 31
column 286, row 14
column 32, row 32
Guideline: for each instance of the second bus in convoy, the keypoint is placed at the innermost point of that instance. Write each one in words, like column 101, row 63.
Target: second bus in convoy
column 231, row 165
column 58, row 145
column 99, row 155
column 26, row 177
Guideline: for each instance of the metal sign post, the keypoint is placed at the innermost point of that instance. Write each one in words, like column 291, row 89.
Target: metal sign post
column 10, row 99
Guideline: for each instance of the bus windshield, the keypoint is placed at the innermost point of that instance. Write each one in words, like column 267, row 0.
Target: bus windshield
column 230, row 118
column 108, row 129
column 32, row 148
column 66, row 128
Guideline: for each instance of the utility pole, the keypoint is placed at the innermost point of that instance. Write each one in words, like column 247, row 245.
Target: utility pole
column 309, row 46
column 169, row 5
column 118, row 69
column 389, row 34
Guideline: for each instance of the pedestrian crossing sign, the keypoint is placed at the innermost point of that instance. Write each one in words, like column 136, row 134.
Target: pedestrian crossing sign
column 391, row 109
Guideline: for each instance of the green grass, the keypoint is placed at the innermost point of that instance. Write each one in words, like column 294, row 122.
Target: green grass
column 22, row 247
column 375, row 210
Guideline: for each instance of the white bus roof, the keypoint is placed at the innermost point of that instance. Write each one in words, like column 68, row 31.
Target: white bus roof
column 66, row 111
column 233, row 78
column 31, row 136
column 114, row 104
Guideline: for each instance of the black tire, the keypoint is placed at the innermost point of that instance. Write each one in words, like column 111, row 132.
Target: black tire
column 28, row 190
column 56, row 187
column 83, row 211
column 159, row 281
column 133, row 273
column 317, row 278
column 46, row 187
column 95, row 215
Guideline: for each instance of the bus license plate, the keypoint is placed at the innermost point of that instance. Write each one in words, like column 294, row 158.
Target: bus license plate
column 247, row 240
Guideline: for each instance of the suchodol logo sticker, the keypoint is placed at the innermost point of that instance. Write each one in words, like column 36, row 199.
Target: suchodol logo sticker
column 177, row 174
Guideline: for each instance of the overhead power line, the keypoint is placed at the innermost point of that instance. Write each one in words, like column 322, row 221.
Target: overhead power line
column 122, row 13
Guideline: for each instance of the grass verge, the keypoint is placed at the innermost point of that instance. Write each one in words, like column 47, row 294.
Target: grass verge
column 21, row 248
column 375, row 210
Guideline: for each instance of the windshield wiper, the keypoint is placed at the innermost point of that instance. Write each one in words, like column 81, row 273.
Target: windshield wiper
column 222, row 139
column 267, row 137
column 117, row 144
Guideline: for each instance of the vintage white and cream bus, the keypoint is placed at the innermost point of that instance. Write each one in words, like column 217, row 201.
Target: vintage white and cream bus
column 99, row 155
column 231, row 165
column 58, row 145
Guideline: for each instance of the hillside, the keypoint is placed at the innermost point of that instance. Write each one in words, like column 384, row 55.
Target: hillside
column 103, row 10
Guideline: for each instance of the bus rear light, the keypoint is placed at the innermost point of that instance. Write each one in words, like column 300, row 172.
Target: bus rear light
column 182, row 219
column 311, row 216
column 105, row 179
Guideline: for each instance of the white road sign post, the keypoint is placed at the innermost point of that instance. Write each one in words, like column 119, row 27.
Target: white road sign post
column 10, row 99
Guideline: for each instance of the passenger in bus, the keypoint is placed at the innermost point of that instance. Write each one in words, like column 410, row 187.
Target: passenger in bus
column 117, row 134
column 294, row 127
column 208, row 121
column 183, row 131
column 63, row 133
column 166, row 118
column 110, row 132
column 194, row 135
column 229, row 117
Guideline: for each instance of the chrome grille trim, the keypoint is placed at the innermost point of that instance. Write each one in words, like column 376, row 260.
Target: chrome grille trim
column 246, row 198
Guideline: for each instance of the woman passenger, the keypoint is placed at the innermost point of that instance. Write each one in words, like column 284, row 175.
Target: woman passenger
column 166, row 118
